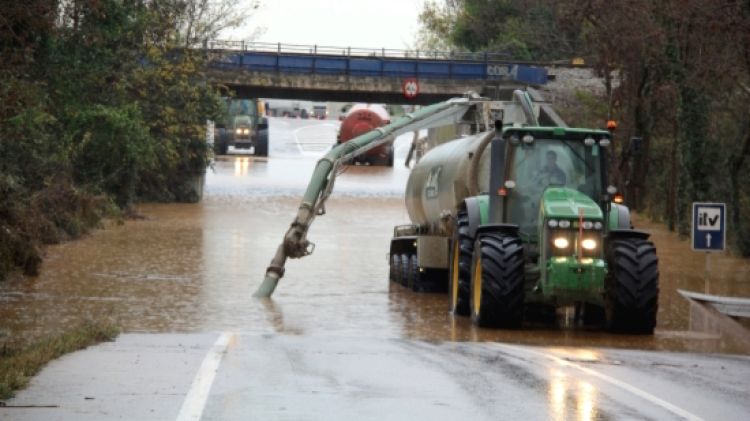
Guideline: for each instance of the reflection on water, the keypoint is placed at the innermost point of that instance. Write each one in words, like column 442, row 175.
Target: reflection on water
column 570, row 398
column 194, row 267
column 586, row 401
column 578, row 354
column 557, row 395
column 241, row 165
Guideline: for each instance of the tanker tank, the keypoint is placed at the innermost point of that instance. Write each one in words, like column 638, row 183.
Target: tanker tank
column 361, row 119
column 440, row 180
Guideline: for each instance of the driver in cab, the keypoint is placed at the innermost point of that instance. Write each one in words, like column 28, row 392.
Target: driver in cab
column 551, row 174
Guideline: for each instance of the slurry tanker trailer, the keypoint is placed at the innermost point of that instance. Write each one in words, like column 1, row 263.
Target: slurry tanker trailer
column 519, row 215
column 361, row 119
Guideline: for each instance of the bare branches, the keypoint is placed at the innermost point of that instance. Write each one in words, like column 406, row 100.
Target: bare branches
column 202, row 20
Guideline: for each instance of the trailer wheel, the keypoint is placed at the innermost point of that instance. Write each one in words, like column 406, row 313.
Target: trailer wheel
column 395, row 268
column 462, row 248
column 417, row 278
column 497, row 284
column 405, row 272
column 632, row 286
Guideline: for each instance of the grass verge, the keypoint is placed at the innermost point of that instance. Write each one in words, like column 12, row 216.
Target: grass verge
column 18, row 366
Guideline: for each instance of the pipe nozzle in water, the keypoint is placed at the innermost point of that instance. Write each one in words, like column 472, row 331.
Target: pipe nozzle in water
column 265, row 290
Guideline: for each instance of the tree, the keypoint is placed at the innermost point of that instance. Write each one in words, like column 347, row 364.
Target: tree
column 684, row 75
column 101, row 102
column 523, row 29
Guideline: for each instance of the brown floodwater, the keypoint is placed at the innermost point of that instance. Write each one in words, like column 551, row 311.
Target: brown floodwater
column 194, row 267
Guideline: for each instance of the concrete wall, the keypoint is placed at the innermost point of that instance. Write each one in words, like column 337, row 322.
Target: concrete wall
column 338, row 87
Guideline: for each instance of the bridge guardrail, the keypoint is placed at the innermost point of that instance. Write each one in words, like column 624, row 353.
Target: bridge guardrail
column 281, row 48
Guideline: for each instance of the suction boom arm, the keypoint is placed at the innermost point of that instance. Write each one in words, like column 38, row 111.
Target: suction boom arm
column 295, row 243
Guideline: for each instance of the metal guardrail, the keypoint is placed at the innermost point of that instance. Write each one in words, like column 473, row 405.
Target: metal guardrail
column 312, row 59
column 281, row 48
column 731, row 306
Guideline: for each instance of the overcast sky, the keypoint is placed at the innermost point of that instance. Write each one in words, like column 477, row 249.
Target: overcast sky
column 353, row 23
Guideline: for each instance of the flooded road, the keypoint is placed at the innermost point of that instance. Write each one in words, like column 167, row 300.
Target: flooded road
column 193, row 267
column 337, row 340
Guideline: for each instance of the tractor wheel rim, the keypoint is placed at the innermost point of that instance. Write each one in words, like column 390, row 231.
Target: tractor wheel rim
column 477, row 287
column 454, row 279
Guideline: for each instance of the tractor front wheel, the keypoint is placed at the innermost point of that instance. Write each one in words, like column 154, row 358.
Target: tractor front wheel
column 497, row 281
column 261, row 145
column 632, row 286
column 221, row 142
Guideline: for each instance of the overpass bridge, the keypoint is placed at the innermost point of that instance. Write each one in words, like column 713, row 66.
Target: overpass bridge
column 311, row 72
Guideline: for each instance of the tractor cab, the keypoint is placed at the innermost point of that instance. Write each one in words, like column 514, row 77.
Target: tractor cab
column 552, row 174
column 554, row 191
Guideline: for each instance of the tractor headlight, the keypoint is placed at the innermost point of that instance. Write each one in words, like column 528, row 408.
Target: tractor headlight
column 528, row 139
column 238, row 131
column 246, row 131
column 552, row 223
column 604, row 142
column 561, row 242
column 588, row 244
column 587, row 225
column 589, row 141
column 564, row 223
column 598, row 225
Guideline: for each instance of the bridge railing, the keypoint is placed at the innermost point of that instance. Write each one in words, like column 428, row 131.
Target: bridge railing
column 282, row 48
column 365, row 62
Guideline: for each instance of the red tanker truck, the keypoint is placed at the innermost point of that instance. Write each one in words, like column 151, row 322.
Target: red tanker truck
column 360, row 119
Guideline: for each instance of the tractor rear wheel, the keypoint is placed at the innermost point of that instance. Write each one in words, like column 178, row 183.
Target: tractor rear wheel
column 632, row 286
column 462, row 248
column 497, row 282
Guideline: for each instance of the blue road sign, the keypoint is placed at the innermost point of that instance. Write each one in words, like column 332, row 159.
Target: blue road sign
column 709, row 226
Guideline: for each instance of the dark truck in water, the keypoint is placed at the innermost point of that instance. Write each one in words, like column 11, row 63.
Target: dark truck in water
column 245, row 126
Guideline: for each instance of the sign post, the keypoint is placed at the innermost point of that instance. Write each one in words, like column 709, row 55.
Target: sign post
column 709, row 233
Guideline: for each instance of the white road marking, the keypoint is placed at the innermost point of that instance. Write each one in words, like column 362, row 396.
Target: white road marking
column 613, row 381
column 195, row 400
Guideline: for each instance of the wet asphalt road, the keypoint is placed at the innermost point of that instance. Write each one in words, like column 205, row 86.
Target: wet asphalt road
column 337, row 341
column 320, row 377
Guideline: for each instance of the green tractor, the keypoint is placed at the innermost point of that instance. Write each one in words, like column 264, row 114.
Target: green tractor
column 246, row 126
column 547, row 234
